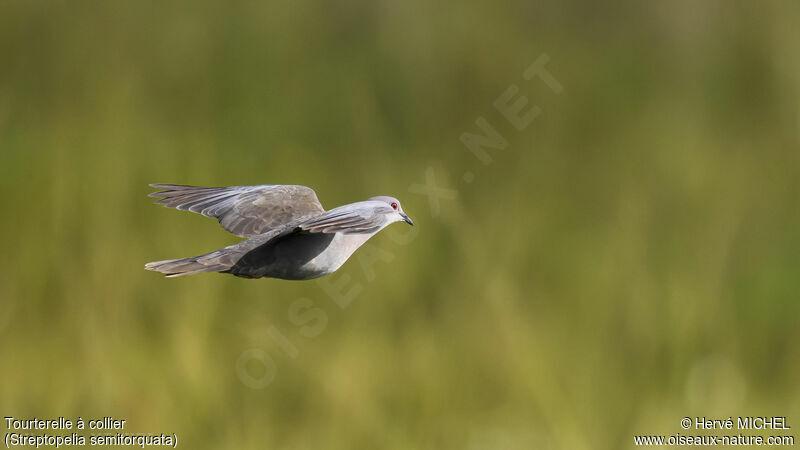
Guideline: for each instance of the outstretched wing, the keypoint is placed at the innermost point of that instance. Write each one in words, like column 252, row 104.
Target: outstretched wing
column 243, row 210
column 363, row 217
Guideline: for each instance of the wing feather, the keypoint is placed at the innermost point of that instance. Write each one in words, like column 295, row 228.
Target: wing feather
column 364, row 217
column 245, row 211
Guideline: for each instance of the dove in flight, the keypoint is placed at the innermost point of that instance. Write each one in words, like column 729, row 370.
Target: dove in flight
column 289, row 235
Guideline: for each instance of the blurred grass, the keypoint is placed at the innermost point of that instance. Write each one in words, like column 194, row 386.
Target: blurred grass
column 630, row 259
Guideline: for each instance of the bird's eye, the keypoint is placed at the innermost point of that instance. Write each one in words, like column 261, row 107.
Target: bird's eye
column 394, row 205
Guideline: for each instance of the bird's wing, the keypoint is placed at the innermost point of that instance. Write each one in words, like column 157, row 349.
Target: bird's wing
column 243, row 210
column 348, row 219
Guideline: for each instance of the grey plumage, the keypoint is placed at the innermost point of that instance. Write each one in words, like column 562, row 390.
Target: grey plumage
column 243, row 210
column 289, row 234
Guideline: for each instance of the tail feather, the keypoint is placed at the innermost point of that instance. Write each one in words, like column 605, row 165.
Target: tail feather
column 189, row 266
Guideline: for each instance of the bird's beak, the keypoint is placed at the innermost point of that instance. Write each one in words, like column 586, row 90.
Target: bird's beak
column 407, row 219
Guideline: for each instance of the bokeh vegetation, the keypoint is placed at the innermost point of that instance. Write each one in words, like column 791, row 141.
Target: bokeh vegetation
column 629, row 259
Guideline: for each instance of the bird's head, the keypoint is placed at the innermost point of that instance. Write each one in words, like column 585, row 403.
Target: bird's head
column 396, row 214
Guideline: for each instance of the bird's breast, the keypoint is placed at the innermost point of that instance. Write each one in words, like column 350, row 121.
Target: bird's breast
column 299, row 256
column 337, row 253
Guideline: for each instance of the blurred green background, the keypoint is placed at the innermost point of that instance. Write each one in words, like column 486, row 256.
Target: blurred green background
column 629, row 259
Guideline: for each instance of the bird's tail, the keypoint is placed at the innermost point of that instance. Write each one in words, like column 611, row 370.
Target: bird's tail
column 217, row 261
